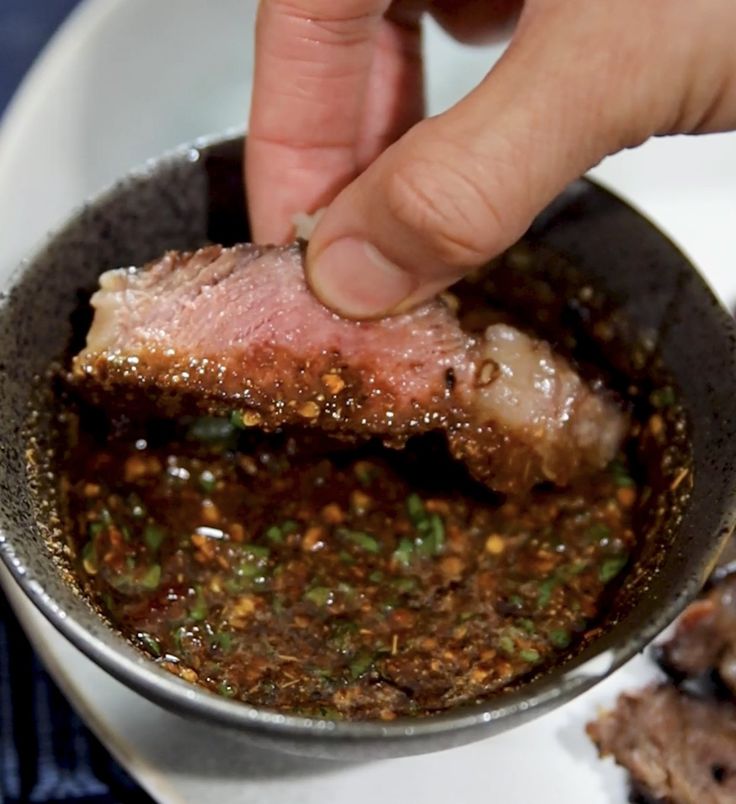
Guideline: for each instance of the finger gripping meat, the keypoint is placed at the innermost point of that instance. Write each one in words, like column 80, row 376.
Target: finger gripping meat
column 236, row 329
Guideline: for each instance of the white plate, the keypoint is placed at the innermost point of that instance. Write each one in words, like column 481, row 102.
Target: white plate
column 127, row 79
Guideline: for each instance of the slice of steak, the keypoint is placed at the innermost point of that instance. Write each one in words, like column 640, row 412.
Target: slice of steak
column 705, row 638
column 678, row 749
column 226, row 329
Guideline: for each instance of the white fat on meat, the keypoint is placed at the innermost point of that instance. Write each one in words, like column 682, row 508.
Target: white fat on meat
column 535, row 394
column 305, row 224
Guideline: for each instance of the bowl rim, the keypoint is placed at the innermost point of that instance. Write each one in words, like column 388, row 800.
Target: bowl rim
column 134, row 669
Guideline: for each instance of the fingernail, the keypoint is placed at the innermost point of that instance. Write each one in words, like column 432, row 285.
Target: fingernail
column 353, row 278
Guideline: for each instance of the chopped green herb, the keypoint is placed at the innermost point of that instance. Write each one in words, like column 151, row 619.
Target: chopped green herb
column 527, row 625
column 249, row 569
column 376, row 576
column 663, row 397
column 345, row 557
column 210, row 429
column 361, row 664
column 515, row 633
column 598, row 532
column 432, row 538
column 258, row 551
column 178, row 635
column 620, row 474
column 223, row 641
column 516, row 601
column 328, row 713
column 546, row 590
column 207, row 481
column 319, row 595
column 149, row 643
column 430, row 528
column 404, row 585
column 341, row 638
column 506, row 644
column 254, row 566
column 199, row 610
column 365, row 472
column 360, row 539
column 559, row 637
column 404, row 552
column 416, row 510
column 567, row 571
column 320, row 672
column 226, row 689
column 346, row 588
column 529, row 655
column 236, row 420
column 275, row 534
column 389, row 604
column 152, row 577
column 234, row 585
column 95, row 528
column 153, row 536
column 611, row 567
column 125, row 582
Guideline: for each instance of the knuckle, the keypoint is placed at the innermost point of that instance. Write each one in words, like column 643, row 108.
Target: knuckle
column 343, row 22
column 327, row 9
column 446, row 203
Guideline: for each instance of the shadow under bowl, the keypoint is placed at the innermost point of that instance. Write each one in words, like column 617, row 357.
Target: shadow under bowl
column 194, row 196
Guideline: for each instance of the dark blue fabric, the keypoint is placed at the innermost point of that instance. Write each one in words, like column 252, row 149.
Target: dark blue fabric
column 46, row 753
column 25, row 27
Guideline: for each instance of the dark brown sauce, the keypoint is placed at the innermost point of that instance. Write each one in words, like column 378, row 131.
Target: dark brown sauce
column 292, row 572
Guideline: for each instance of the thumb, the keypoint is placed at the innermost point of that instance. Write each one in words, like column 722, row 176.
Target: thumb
column 459, row 188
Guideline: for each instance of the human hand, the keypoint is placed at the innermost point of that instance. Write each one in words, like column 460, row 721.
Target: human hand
column 412, row 204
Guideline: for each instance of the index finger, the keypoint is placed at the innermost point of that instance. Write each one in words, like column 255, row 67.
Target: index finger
column 313, row 61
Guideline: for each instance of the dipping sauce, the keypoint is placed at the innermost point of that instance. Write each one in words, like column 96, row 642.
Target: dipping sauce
column 295, row 572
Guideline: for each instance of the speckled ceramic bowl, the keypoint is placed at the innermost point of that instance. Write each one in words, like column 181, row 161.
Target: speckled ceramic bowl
column 195, row 195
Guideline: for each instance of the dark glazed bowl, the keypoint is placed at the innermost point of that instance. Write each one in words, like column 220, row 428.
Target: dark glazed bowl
column 195, row 195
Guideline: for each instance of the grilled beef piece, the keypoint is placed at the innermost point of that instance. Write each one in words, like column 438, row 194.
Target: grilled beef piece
column 677, row 748
column 237, row 329
column 705, row 638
